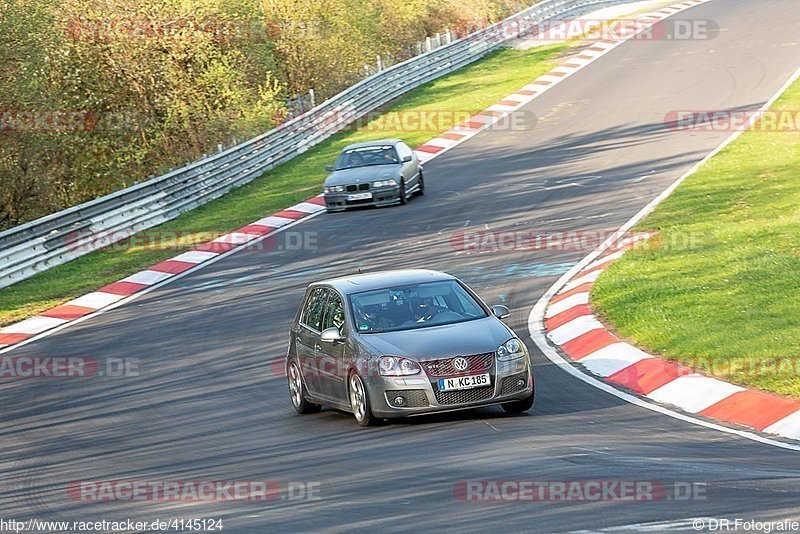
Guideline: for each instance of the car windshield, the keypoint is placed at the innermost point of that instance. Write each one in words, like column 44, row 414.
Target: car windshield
column 367, row 155
column 413, row 306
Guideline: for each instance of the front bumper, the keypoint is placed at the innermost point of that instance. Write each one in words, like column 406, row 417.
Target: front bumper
column 380, row 197
column 510, row 381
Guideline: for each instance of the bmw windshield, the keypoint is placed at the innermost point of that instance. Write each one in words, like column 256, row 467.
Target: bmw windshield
column 414, row 306
column 365, row 156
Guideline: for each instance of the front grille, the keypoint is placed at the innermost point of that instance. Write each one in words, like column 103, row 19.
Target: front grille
column 464, row 396
column 510, row 384
column 415, row 398
column 475, row 363
column 359, row 187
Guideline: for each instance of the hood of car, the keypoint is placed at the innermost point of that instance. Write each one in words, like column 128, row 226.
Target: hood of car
column 461, row 339
column 361, row 175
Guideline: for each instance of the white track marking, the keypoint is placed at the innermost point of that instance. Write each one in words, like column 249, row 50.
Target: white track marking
column 789, row 426
column 194, row 256
column 613, row 358
column 568, row 303
column 34, row 325
column 694, row 393
column 576, row 327
column 147, row 277
column 95, row 300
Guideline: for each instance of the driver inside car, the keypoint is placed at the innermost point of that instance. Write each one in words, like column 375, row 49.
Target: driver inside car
column 425, row 309
column 355, row 160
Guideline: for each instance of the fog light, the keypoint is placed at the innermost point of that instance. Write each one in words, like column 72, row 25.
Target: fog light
column 522, row 382
column 399, row 401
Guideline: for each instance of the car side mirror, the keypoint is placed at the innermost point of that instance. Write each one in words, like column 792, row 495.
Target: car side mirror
column 406, row 158
column 330, row 168
column 331, row 335
column 500, row 311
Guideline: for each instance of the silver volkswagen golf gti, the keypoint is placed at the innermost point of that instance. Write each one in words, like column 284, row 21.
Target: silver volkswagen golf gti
column 401, row 343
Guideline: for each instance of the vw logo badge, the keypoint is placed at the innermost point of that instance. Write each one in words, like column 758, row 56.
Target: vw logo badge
column 460, row 364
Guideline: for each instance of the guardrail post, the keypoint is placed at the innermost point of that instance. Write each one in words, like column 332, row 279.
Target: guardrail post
column 428, row 44
column 379, row 62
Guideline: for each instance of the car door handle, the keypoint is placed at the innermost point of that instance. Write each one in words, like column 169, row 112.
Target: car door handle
column 317, row 347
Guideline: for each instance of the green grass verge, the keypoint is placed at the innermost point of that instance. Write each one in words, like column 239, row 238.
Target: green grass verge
column 719, row 288
column 470, row 89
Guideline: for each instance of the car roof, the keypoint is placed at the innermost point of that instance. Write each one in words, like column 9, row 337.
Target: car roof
column 381, row 279
column 372, row 143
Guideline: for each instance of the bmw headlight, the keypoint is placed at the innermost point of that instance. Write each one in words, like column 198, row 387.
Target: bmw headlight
column 334, row 189
column 394, row 366
column 385, row 183
column 510, row 350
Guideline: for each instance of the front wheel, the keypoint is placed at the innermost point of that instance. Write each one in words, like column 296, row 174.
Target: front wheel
column 522, row 405
column 359, row 401
column 421, row 189
column 297, row 391
column 403, row 195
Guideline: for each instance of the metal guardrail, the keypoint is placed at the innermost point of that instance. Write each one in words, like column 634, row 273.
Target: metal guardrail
column 61, row 237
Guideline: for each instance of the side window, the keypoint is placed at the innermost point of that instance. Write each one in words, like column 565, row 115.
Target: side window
column 334, row 312
column 403, row 150
column 315, row 305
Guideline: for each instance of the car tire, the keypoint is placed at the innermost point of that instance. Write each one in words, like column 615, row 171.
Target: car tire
column 359, row 400
column 403, row 195
column 297, row 390
column 520, row 406
column 421, row 188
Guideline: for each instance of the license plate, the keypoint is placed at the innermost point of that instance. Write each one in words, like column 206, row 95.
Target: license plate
column 359, row 196
column 463, row 382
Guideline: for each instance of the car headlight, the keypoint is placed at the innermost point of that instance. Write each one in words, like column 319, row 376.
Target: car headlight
column 385, row 183
column 334, row 189
column 394, row 366
column 510, row 350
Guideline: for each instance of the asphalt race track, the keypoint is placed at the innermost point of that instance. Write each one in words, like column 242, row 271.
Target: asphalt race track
column 208, row 403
